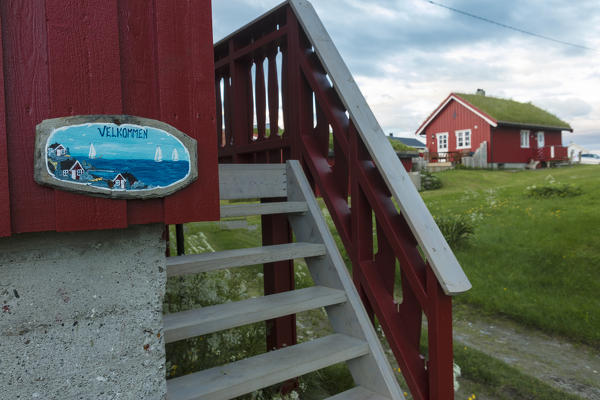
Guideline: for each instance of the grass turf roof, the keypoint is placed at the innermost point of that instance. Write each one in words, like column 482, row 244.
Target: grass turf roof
column 504, row 110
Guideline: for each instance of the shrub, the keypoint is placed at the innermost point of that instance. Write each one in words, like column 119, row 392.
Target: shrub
column 553, row 190
column 457, row 229
column 430, row 181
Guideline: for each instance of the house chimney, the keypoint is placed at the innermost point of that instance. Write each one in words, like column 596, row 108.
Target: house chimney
column 480, row 92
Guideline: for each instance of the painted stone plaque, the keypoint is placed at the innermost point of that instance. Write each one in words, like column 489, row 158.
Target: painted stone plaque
column 117, row 156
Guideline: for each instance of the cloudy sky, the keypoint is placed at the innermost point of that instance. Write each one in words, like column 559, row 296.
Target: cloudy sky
column 408, row 55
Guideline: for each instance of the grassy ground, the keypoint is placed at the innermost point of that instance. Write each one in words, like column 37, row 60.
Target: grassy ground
column 486, row 375
column 534, row 260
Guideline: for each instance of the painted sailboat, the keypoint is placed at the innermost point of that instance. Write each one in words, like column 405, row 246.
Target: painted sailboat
column 158, row 154
column 175, row 155
column 92, row 153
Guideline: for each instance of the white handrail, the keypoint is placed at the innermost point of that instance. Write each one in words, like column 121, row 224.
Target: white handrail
column 441, row 258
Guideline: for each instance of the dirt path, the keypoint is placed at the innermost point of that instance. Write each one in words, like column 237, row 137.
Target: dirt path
column 572, row 368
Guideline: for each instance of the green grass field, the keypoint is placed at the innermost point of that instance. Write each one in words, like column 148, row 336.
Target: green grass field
column 534, row 260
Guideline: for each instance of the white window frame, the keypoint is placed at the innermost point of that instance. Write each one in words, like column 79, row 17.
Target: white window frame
column 437, row 137
column 525, row 135
column 540, row 134
column 464, row 136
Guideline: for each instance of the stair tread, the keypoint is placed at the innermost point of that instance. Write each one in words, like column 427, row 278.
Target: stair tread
column 206, row 320
column 243, row 210
column 195, row 263
column 358, row 393
column 266, row 369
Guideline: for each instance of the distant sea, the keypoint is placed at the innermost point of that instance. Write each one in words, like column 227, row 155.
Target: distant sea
column 150, row 172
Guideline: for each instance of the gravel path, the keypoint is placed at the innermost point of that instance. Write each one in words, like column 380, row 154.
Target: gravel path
column 572, row 368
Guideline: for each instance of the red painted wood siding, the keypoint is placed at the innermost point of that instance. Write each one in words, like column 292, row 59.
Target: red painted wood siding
column 455, row 117
column 4, row 187
column 506, row 144
column 151, row 59
column 553, row 138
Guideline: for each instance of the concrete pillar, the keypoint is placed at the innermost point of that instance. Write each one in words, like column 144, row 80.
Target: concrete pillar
column 81, row 315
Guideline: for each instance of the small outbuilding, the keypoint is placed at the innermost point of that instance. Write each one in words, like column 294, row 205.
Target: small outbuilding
column 501, row 132
column 411, row 142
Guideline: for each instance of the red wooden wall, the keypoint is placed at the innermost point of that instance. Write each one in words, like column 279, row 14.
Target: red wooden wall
column 506, row 144
column 150, row 59
column 456, row 117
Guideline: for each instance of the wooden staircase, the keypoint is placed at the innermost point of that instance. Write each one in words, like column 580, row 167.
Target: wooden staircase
column 354, row 340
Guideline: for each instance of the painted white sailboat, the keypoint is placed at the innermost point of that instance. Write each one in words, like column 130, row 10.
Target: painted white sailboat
column 158, row 154
column 175, row 155
column 92, row 153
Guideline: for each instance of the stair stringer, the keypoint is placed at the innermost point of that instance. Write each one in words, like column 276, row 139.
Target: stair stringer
column 371, row 371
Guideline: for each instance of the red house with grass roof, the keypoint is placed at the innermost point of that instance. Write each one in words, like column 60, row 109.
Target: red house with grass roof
column 511, row 134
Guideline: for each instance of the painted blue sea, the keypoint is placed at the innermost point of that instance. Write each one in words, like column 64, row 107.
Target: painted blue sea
column 149, row 172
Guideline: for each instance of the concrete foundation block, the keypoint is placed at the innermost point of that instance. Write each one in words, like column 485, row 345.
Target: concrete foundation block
column 82, row 315
column 415, row 177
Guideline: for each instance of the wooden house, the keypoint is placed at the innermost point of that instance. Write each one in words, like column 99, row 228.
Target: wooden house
column 516, row 134
column 119, row 181
column 70, row 168
column 57, row 149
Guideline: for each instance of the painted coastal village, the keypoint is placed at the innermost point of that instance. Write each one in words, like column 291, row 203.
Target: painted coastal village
column 66, row 167
column 115, row 158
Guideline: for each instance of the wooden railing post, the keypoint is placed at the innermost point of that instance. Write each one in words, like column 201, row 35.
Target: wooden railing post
column 278, row 277
column 440, row 364
column 292, row 84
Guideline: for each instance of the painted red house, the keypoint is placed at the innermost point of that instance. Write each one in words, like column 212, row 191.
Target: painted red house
column 58, row 149
column 119, row 181
column 515, row 134
column 71, row 168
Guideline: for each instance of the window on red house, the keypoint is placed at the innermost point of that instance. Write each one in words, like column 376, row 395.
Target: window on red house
column 525, row 139
column 463, row 139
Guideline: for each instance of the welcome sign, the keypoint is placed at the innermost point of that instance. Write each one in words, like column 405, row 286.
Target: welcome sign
column 117, row 156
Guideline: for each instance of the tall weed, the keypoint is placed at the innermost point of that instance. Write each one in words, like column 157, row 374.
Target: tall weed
column 553, row 190
column 457, row 229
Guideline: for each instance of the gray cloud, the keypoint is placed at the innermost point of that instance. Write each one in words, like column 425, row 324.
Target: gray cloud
column 568, row 108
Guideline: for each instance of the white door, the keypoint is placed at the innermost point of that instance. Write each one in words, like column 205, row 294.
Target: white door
column 540, row 140
column 442, row 142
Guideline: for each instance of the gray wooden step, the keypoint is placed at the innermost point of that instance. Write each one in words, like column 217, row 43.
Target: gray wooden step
column 357, row 393
column 244, row 210
column 195, row 263
column 186, row 324
column 252, row 181
column 266, row 369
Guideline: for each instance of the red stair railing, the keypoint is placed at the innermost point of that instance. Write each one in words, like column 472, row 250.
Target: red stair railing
column 284, row 64
column 553, row 153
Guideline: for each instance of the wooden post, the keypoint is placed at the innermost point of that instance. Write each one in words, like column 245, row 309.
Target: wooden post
column 278, row 277
column 439, row 318
column 180, row 239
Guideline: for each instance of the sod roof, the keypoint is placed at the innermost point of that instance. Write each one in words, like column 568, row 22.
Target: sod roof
column 504, row 110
